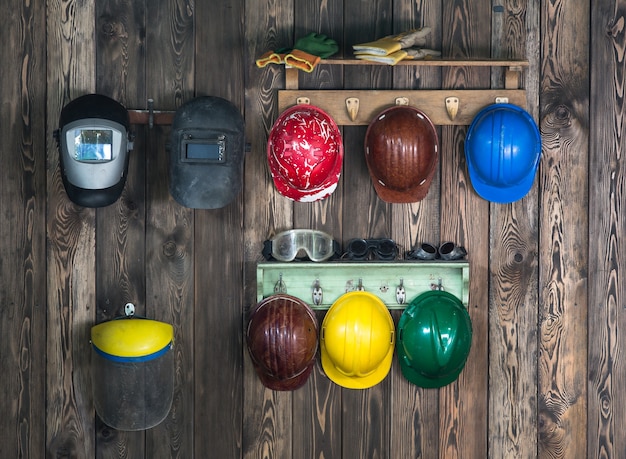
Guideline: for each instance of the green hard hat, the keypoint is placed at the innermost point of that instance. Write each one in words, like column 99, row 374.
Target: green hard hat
column 434, row 339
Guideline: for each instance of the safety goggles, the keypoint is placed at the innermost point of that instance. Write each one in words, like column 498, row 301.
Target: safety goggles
column 363, row 249
column 446, row 251
column 300, row 243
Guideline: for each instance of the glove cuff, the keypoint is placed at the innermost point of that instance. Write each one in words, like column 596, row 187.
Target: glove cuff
column 302, row 60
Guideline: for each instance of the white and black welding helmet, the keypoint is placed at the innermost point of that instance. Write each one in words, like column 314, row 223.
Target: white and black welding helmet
column 206, row 153
column 94, row 144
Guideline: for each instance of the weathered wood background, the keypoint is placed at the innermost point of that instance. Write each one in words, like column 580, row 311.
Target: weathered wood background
column 546, row 375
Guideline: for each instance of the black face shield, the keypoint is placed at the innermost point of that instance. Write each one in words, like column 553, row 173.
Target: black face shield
column 206, row 153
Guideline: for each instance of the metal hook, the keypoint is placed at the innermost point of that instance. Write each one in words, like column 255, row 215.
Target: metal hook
column 151, row 113
column 318, row 294
column 400, row 292
column 129, row 309
column 280, row 286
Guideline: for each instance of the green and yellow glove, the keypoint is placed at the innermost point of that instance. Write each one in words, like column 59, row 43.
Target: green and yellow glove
column 305, row 55
column 317, row 45
column 302, row 60
column 272, row 57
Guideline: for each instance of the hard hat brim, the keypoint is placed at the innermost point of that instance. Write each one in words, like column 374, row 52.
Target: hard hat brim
column 352, row 382
column 500, row 195
column 415, row 194
column 284, row 384
column 419, row 380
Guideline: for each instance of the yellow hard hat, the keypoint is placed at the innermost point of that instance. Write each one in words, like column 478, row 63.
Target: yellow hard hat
column 357, row 340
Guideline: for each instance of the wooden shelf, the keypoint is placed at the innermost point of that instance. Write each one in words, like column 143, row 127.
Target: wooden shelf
column 436, row 62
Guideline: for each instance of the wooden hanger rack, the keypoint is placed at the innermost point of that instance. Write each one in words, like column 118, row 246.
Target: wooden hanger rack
column 442, row 106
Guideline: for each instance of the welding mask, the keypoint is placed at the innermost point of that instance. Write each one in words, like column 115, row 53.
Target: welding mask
column 206, row 153
column 133, row 372
column 94, row 145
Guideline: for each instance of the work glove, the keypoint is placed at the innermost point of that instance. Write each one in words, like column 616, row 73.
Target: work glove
column 393, row 43
column 403, row 54
column 317, row 45
column 272, row 57
column 301, row 60
column 305, row 55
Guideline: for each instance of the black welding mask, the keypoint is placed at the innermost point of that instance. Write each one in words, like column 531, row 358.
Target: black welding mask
column 94, row 145
column 206, row 153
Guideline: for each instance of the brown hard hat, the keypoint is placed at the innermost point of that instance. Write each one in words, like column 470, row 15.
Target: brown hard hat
column 282, row 341
column 402, row 152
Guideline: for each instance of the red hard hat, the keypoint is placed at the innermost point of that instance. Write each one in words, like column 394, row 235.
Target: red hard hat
column 402, row 152
column 282, row 341
column 305, row 153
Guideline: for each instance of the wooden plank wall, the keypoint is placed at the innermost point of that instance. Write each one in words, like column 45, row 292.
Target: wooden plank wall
column 545, row 377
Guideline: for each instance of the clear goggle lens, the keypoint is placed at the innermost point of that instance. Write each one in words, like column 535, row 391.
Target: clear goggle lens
column 291, row 244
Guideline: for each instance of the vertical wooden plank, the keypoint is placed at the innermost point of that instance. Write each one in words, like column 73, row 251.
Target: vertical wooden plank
column 267, row 421
column 317, row 406
column 71, row 244
column 366, row 419
column 465, row 220
column 219, row 248
column 514, row 275
column 607, row 321
column 22, row 237
column 413, row 409
column 169, row 227
column 562, row 429
column 120, row 227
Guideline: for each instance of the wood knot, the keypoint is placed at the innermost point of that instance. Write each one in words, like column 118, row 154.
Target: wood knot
column 562, row 113
column 169, row 249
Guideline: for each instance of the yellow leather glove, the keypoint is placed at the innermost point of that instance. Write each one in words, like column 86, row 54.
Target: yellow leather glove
column 421, row 53
column 391, row 59
column 302, row 60
column 403, row 54
column 271, row 57
column 393, row 43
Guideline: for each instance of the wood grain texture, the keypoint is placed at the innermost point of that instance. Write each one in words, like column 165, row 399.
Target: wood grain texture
column 413, row 409
column 366, row 421
column 219, row 295
column 22, row 236
column 120, row 227
column 514, row 276
column 170, row 267
column 71, row 247
column 267, row 416
column 545, row 376
column 317, row 407
column 562, row 386
column 606, row 373
column 465, row 220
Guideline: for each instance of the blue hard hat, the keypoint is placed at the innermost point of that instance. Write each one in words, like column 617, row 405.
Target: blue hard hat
column 503, row 149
